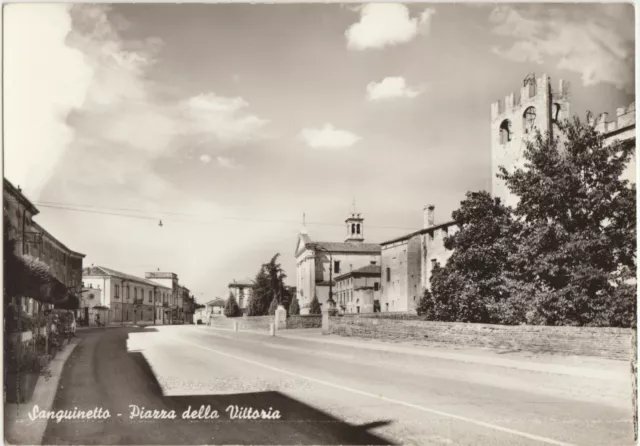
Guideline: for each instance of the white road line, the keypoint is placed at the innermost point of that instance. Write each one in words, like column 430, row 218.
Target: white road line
column 390, row 400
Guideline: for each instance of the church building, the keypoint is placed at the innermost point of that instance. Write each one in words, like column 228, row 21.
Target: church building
column 319, row 263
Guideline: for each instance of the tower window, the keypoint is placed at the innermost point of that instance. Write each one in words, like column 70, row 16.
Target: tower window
column 358, row 228
column 336, row 266
column 505, row 131
column 353, row 228
column 529, row 119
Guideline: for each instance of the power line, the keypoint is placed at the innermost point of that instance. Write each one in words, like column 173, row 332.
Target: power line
column 105, row 211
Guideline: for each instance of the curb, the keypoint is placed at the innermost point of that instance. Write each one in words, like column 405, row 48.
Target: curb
column 19, row 429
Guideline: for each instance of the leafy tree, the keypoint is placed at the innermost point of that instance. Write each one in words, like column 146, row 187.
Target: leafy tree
column 294, row 307
column 268, row 285
column 315, row 306
column 231, row 308
column 471, row 286
column 577, row 228
column 564, row 256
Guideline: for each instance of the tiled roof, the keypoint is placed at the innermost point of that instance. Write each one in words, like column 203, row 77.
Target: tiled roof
column 372, row 248
column 102, row 271
column 369, row 270
column 421, row 231
column 243, row 282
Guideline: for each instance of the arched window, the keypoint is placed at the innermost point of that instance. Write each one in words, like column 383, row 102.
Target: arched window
column 505, row 131
column 353, row 228
column 556, row 112
column 358, row 228
column 529, row 120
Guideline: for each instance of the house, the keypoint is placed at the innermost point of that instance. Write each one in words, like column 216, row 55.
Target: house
column 407, row 263
column 242, row 290
column 319, row 263
column 358, row 291
column 130, row 299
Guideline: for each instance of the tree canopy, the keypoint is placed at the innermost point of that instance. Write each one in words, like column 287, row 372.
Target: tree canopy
column 565, row 255
column 268, row 287
column 231, row 308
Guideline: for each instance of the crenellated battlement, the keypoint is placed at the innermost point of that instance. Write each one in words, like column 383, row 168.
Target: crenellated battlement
column 533, row 89
column 625, row 117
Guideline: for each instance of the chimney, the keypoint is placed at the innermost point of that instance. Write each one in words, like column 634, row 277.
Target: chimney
column 428, row 215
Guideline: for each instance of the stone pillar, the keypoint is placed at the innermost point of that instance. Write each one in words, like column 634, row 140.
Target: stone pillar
column 325, row 319
column 280, row 318
column 235, row 326
column 272, row 329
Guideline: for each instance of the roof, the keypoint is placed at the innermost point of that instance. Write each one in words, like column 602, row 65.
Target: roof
column 420, row 232
column 103, row 271
column 21, row 197
column 45, row 232
column 217, row 302
column 357, row 247
column 369, row 270
column 241, row 283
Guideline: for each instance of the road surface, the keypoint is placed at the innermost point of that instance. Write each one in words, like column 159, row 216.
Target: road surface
column 325, row 394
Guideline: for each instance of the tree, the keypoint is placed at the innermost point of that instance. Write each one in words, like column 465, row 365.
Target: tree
column 471, row 286
column 268, row 285
column 231, row 309
column 315, row 306
column 577, row 235
column 294, row 307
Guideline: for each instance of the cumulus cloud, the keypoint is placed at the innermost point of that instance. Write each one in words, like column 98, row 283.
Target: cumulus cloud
column 596, row 41
column 205, row 158
column 328, row 137
column 43, row 91
column 227, row 163
column 386, row 24
column 391, row 88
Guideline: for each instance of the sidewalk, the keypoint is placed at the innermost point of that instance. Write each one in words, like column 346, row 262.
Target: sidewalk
column 579, row 366
column 18, row 428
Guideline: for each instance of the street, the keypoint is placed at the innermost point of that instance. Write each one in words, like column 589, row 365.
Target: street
column 325, row 394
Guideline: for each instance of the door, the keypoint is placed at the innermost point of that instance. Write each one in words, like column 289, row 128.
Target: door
column 86, row 316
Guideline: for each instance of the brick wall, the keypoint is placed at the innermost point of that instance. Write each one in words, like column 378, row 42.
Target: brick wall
column 223, row 321
column 305, row 321
column 612, row 343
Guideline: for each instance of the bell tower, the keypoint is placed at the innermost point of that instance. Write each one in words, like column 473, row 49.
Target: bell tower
column 516, row 120
column 355, row 225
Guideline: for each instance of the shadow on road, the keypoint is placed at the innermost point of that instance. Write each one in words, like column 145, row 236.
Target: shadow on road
column 124, row 378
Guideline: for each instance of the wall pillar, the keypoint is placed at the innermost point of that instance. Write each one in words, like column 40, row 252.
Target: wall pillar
column 281, row 318
column 325, row 319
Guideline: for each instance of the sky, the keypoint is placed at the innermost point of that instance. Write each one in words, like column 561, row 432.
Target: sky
column 229, row 122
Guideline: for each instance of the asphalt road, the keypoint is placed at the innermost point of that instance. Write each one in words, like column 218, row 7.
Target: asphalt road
column 325, row 394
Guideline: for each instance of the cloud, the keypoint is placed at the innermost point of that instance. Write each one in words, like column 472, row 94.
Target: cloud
column 328, row 137
column 37, row 104
column 222, row 119
column 386, row 24
column 227, row 163
column 205, row 159
column 391, row 88
column 596, row 41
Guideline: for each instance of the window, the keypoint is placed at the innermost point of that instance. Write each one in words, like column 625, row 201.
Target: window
column 388, row 274
column 431, row 236
column 529, row 119
column 135, row 293
column 336, row 266
column 376, row 286
column 127, row 292
column 358, row 228
column 353, row 228
column 117, row 291
column 150, row 296
column 505, row 131
column 434, row 263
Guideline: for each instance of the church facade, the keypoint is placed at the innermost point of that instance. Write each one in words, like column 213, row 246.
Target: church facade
column 319, row 263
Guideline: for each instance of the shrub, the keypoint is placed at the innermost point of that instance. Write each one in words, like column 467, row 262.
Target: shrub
column 315, row 308
column 294, row 308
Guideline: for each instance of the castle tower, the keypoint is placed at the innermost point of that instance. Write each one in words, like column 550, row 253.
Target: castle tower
column 516, row 121
column 355, row 226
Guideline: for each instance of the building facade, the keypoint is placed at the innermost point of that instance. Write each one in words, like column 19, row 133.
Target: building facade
column 407, row 263
column 171, row 302
column 130, row 299
column 33, row 240
column 242, row 290
column 319, row 263
column 623, row 127
column 92, row 308
column 358, row 291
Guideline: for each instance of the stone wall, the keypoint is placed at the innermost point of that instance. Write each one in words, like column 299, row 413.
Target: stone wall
column 254, row 322
column 612, row 343
column 305, row 321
